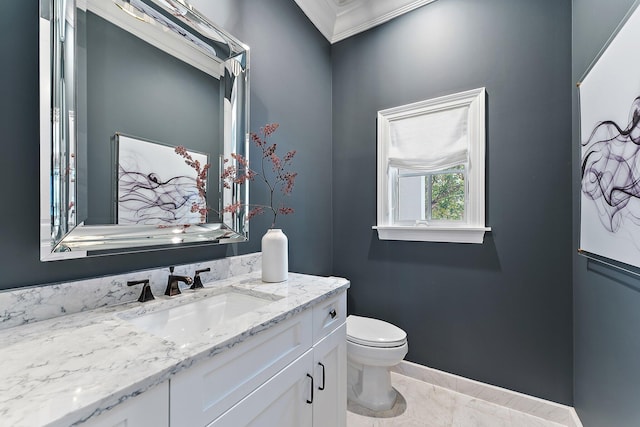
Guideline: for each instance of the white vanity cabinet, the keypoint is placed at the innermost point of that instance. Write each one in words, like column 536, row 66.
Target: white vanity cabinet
column 147, row 365
column 295, row 397
column 330, row 362
column 293, row 374
column 283, row 401
column 147, row 409
column 330, row 379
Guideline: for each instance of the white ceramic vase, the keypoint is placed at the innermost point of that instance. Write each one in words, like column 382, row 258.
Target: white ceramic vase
column 275, row 256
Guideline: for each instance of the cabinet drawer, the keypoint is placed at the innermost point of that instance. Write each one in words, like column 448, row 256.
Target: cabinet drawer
column 328, row 315
column 203, row 392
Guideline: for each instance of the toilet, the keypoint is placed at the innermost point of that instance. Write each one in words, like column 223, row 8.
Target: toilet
column 373, row 347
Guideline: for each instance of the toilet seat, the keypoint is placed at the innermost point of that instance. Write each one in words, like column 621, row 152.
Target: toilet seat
column 374, row 333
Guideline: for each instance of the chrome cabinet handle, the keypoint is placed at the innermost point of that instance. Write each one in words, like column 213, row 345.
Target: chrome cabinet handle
column 310, row 401
column 322, row 388
column 333, row 313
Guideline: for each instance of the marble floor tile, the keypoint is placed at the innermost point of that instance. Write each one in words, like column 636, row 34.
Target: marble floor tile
column 521, row 419
column 421, row 404
column 471, row 411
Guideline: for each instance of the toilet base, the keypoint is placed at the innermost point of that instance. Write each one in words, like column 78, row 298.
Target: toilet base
column 370, row 386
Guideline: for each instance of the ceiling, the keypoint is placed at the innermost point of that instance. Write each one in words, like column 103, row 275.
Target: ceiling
column 339, row 19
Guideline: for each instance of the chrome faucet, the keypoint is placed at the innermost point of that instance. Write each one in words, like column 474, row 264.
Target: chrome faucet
column 172, row 283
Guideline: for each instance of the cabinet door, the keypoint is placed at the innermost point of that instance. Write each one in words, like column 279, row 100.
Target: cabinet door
column 330, row 370
column 204, row 392
column 151, row 408
column 283, row 401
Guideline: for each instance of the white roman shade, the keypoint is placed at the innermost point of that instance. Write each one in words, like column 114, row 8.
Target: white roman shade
column 430, row 142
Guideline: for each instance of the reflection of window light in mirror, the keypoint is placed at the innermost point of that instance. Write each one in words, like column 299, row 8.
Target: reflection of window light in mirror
column 147, row 14
column 132, row 11
column 176, row 7
column 234, row 67
column 431, row 157
column 186, row 11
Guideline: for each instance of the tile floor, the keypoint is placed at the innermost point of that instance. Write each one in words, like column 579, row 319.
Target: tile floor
column 421, row 404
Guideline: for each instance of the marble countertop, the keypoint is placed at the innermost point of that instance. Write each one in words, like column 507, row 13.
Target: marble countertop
column 64, row 371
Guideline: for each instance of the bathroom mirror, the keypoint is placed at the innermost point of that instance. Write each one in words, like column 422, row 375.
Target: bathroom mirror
column 130, row 90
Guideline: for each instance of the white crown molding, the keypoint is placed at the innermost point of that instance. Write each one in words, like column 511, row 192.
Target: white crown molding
column 321, row 14
column 337, row 20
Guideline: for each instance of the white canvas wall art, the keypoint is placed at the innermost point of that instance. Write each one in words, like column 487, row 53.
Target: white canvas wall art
column 610, row 139
column 155, row 186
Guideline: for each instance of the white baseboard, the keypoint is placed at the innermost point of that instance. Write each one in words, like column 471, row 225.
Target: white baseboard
column 537, row 407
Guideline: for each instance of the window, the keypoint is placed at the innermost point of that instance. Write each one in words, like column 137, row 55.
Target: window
column 431, row 158
column 425, row 197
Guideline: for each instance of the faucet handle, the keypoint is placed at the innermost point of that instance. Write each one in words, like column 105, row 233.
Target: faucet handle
column 197, row 281
column 146, row 294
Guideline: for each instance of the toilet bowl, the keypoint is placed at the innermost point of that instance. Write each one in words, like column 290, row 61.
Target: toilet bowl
column 373, row 347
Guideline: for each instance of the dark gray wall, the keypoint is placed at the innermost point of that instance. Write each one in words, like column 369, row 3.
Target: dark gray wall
column 606, row 301
column 291, row 83
column 131, row 89
column 499, row 312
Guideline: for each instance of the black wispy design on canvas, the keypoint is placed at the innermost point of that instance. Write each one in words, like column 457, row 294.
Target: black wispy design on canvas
column 611, row 170
column 150, row 200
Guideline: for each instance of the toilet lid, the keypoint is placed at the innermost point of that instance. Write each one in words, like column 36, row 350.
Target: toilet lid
column 374, row 332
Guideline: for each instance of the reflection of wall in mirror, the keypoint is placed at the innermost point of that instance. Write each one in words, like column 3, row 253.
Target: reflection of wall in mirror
column 137, row 89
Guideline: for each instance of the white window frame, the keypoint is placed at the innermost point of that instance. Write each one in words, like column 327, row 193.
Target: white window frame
column 473, row 228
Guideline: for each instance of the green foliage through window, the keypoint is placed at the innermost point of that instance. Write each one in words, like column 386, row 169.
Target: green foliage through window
column 447, row 199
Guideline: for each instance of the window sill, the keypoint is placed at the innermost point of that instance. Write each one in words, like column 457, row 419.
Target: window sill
column 432, row 234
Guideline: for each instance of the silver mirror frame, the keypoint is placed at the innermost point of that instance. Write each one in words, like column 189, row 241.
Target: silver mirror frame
column 63, row 235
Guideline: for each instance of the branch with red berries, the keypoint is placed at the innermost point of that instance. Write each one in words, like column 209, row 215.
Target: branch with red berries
column 201, row 178
column 280, row 180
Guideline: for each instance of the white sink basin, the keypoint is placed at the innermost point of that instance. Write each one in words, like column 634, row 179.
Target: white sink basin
column 183, row 323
